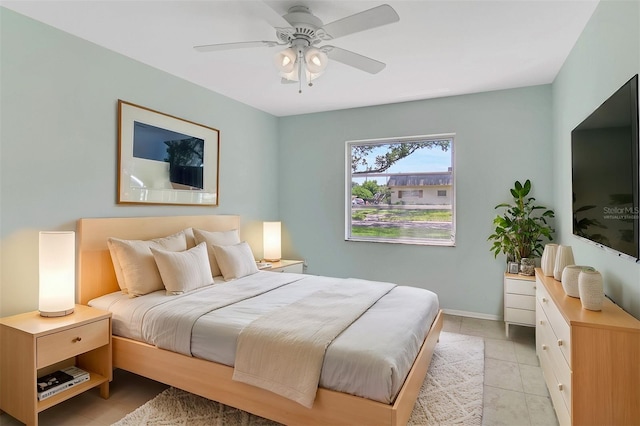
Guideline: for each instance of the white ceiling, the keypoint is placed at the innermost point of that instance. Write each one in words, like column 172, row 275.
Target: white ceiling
column 438, row 48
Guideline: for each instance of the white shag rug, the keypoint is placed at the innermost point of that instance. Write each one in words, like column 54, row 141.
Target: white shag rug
column 451, row 394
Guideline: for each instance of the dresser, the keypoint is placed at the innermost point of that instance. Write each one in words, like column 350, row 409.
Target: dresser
column 519, row 300
column 590, row 360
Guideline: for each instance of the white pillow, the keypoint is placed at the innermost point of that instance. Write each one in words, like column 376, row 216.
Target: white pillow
column 235, row 261
column 219, row 238
column 185, row 270
column 135, row 268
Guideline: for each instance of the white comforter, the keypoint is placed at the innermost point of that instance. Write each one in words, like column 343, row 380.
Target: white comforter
column 370, row 358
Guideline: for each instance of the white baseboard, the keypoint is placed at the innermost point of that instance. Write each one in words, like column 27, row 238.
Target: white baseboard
column 472, row 314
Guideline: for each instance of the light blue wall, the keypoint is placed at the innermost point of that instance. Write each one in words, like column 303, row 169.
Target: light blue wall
column 58, row 152
column 501, row 137
column 59, row 144
column 606, row 55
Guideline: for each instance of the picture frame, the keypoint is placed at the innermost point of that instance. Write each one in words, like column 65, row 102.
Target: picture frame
column 513, row 267
column 163, row 159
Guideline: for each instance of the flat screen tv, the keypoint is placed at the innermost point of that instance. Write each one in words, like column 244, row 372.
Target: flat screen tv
column 605, row 154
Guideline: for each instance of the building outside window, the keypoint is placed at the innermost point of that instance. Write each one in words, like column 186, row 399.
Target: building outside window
column 401, row 190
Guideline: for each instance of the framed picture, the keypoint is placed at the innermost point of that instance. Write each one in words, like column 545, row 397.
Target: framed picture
column 513, row 267
column 164, row 159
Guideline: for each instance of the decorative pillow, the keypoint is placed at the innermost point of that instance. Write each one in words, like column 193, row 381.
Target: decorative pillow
column 220, row 238
column 184, row 270
column 135, row 267
column 235, row 261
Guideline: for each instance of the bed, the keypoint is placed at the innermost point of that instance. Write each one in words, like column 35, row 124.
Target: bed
column 213, row 380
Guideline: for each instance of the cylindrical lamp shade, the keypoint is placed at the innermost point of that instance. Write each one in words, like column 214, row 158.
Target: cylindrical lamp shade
column 272, row 241
column 57, row 275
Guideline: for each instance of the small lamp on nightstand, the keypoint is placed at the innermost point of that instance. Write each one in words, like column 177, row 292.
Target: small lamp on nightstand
column 57, row 260
column 272, row 241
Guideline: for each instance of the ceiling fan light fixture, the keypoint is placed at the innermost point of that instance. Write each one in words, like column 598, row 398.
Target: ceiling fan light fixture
column 316, row 60
column 285, row 60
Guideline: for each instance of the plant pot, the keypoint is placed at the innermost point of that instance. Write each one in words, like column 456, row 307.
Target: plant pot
column 527, row 266
column 570, row 279
column 548, row 259
column 564, row 257
column 591, row 290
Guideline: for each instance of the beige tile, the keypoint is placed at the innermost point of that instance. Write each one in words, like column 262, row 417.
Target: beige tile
column 532, row 380
column 541, row 411
column 483, row 328
column 451, row 323
column 502, row 374
column 504, row 407
column 526, row 353
column 499, row 349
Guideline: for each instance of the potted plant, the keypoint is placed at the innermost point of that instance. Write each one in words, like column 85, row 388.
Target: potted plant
column 521, row 230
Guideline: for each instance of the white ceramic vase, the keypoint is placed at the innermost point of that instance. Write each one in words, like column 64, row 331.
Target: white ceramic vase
column 570, row 278
column 564, row 257
column 548, row 259
column 591, row 290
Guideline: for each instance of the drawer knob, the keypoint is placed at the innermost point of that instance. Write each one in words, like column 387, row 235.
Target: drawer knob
column 560, row 386
column 77, row 339
column 560, row 342
column 544, row 347
column 544, row 300
column 541, row 322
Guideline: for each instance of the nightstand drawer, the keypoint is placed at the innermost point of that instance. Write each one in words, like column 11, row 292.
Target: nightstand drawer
column 520, row 301
column 296, row 269
column 520, row 287
column 520, row 316
column 65, row 344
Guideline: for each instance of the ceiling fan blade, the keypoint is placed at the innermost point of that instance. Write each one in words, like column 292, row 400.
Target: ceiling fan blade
column 353, row 59
column 237, row 45
column 269, row 14
column 371, row 18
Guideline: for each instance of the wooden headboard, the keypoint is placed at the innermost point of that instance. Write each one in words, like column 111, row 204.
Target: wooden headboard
column 96, row 276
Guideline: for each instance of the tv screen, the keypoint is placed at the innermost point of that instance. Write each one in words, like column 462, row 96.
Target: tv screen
column 604, row 157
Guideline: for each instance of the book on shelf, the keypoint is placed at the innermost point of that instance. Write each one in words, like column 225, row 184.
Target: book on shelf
column 59, row 381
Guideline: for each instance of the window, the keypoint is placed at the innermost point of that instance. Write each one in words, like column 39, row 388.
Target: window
column 401, row 190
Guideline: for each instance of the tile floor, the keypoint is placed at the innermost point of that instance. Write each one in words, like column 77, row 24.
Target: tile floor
column 514, row 391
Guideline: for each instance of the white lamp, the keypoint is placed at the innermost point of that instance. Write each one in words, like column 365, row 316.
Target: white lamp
column 286, row 60
column 57, row 262
column 272, row 241
column 316, row 60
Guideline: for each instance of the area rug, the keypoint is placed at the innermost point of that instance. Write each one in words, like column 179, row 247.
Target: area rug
column 451, row 394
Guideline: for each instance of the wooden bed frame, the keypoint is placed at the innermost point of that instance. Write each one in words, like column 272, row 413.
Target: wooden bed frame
column 211, row 380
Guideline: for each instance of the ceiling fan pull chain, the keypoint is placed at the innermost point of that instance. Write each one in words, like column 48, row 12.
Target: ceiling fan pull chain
column 299, row 71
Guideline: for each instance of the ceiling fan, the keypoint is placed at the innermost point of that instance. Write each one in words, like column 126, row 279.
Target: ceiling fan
column 302, row 32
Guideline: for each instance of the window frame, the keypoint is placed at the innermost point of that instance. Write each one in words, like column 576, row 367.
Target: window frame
column 349, row 179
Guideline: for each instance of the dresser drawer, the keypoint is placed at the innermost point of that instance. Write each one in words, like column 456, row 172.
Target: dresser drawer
column 557, row 322
column 547, row 348
column 65, row 344
column 520, row 287
column 562, row 411
column 520, row 301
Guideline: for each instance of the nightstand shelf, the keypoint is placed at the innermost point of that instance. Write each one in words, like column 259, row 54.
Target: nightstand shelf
column 32, row 346
column 95, row 380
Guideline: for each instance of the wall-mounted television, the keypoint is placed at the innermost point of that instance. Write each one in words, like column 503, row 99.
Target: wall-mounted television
column 605, row 157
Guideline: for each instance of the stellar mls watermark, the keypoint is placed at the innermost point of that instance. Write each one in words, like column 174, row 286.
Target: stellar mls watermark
column 621, row 213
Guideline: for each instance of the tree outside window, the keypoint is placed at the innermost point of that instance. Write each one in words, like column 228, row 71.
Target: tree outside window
column 401, row 190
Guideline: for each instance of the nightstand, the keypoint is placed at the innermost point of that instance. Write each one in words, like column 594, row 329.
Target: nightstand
column 295, row 266
column 32, row 346
column 519, row 300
